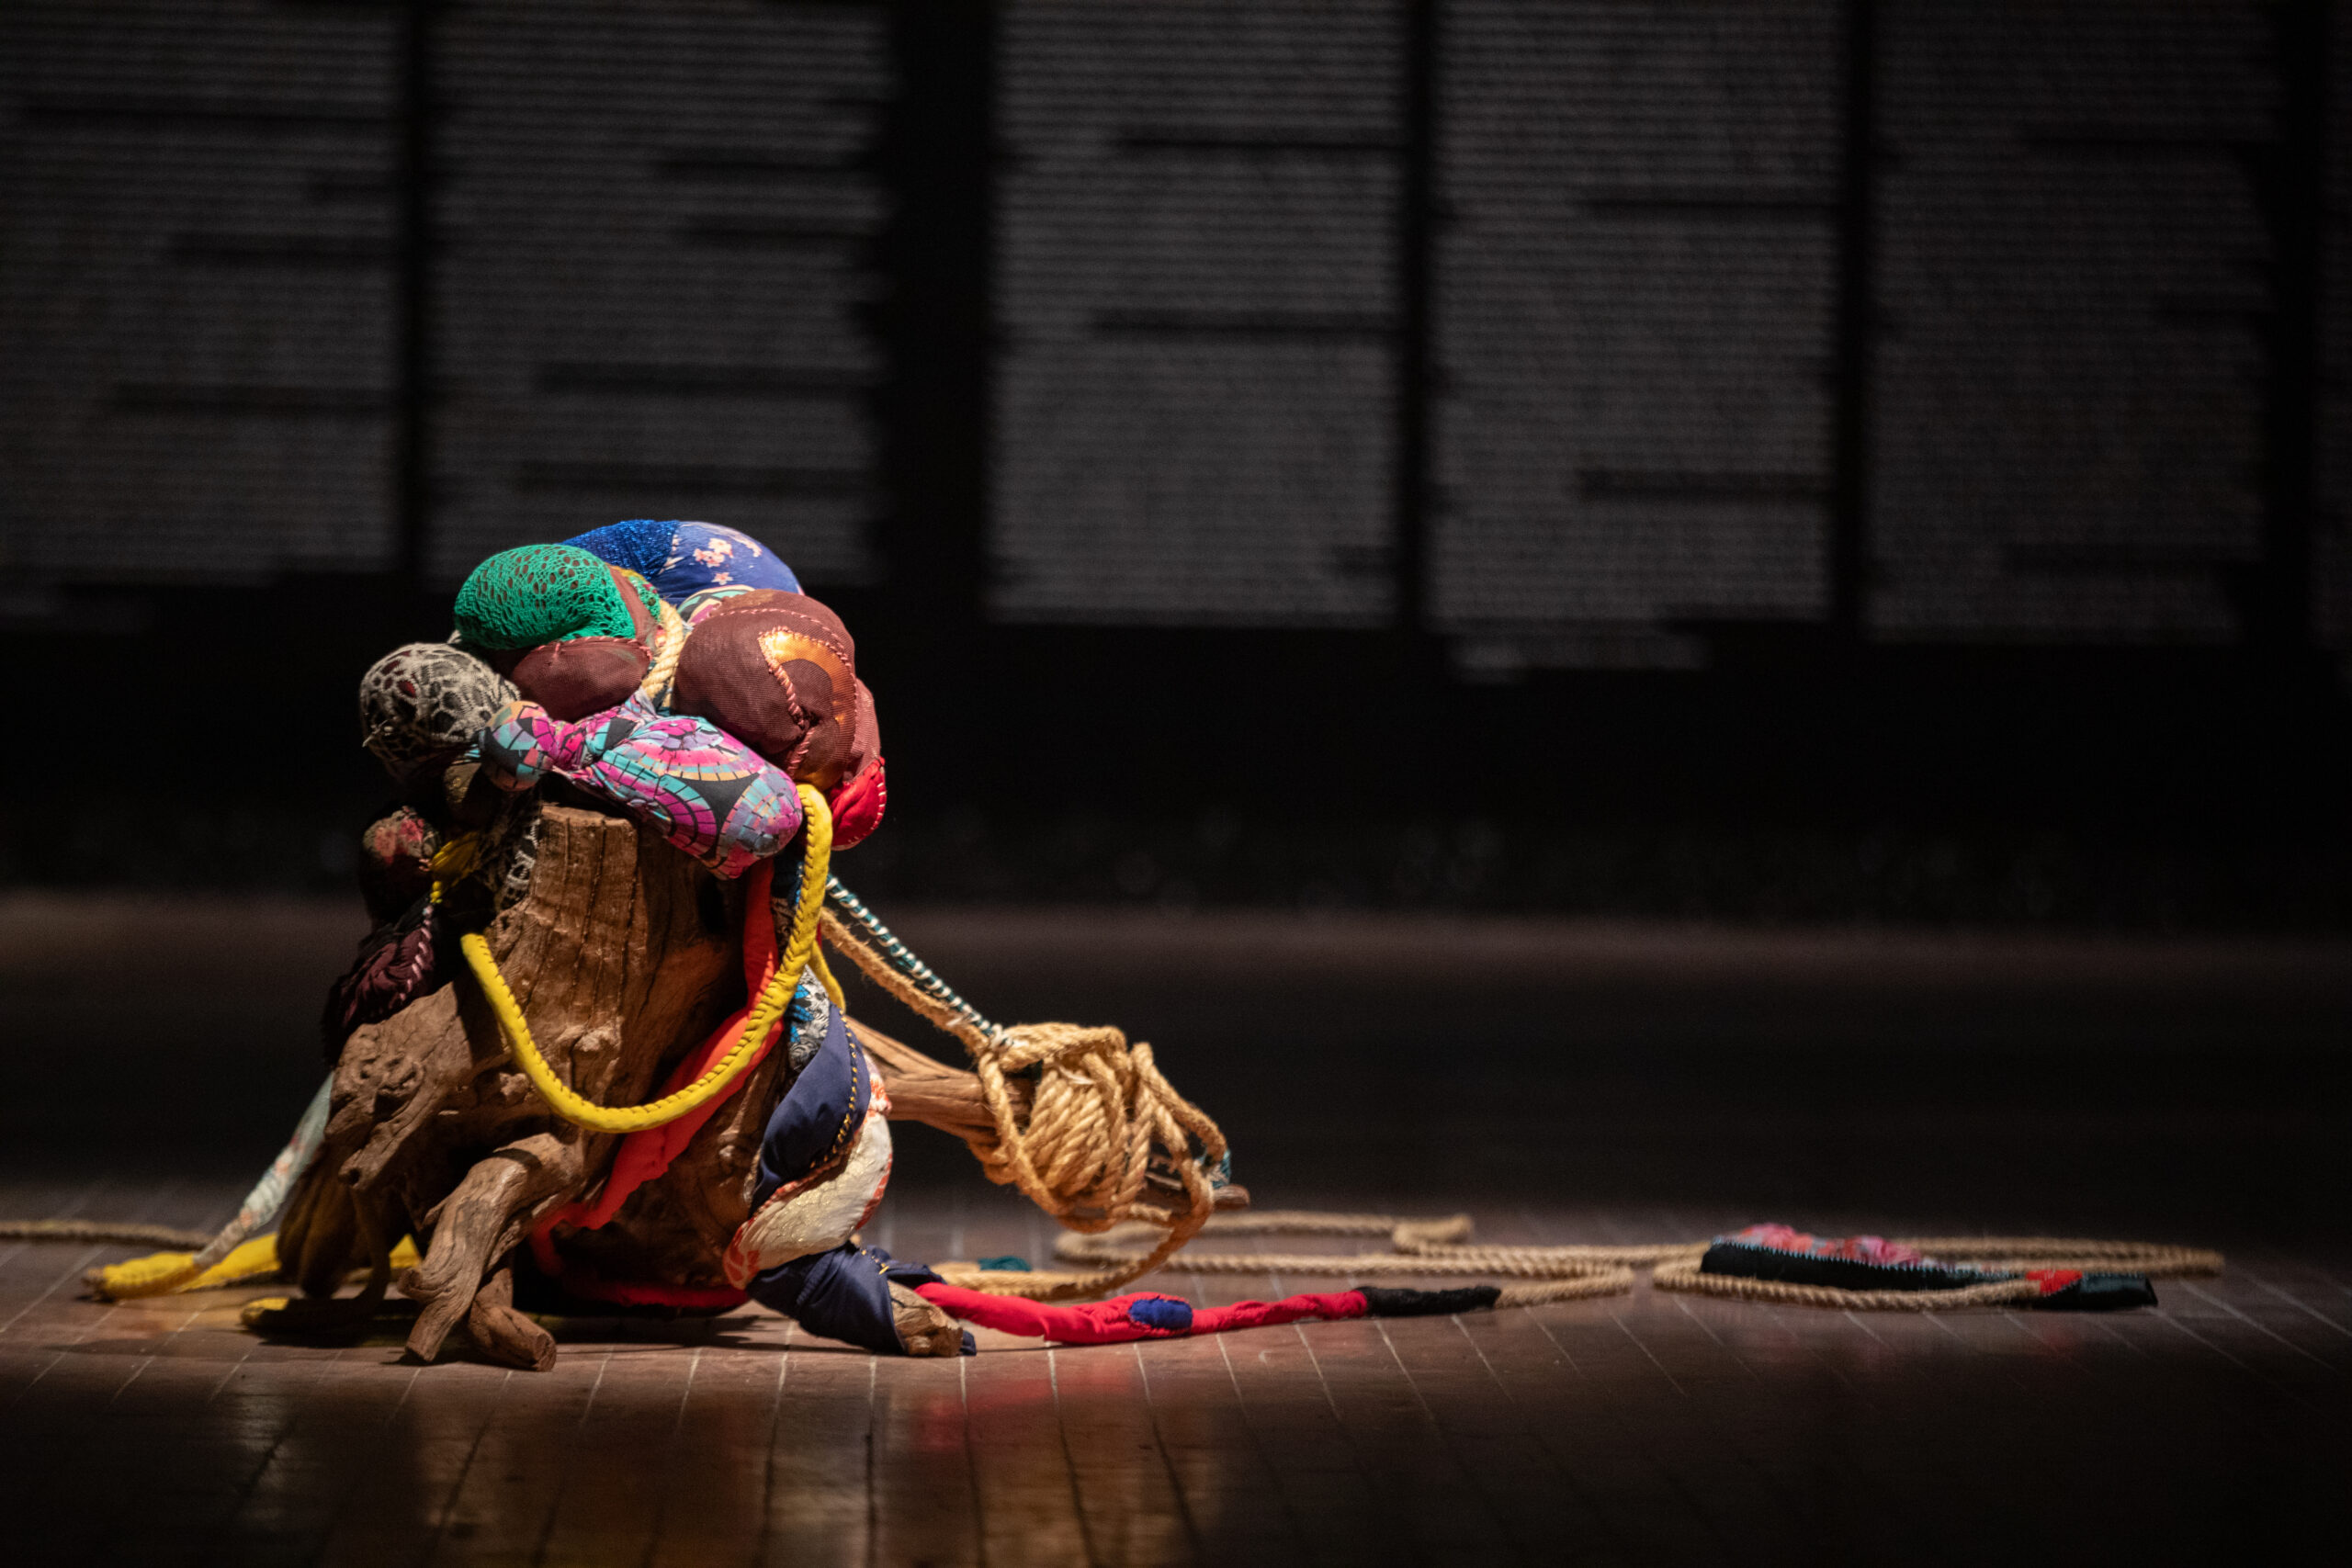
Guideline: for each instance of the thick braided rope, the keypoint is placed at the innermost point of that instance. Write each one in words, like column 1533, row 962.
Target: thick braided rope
column 655, row 687
column 1098, row 1110
column 131, row 1233
column 722, row 1073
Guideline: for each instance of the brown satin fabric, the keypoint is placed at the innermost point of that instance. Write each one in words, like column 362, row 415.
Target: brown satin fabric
column 574, row 679
column 778, row 671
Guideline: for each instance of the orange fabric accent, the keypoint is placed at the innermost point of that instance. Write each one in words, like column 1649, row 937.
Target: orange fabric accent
column 644, row 1155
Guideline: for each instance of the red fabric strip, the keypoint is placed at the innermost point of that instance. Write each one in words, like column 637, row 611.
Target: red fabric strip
column 1107, row 1323
column 1334, row 1307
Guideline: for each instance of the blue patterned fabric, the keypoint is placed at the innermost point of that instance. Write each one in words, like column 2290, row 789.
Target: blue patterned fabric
column 683, row 559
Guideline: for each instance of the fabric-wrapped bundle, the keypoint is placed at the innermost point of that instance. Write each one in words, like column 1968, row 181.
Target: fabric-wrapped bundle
column 421, row 705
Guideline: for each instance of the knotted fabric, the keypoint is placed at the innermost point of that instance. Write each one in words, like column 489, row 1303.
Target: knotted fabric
column 705, row 792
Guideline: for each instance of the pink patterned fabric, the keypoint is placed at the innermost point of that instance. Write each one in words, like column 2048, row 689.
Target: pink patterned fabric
column 705, row 791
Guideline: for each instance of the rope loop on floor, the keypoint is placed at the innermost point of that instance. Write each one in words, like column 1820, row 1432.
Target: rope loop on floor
column 1442, row 1248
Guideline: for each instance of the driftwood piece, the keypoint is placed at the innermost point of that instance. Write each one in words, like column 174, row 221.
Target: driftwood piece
column 482, row 1221
column 621, row 958
column 504, row 1335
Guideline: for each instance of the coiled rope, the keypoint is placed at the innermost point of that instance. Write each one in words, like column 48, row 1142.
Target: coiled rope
column 663, row 674
column 1100, row 1114
column 800, row 953
column 1442, row 1248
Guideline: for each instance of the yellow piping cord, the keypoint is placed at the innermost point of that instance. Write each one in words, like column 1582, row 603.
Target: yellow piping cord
column 799, row 953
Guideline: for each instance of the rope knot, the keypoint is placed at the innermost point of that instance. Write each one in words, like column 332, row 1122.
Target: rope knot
column 1098, row 1107
column 1101, row 1122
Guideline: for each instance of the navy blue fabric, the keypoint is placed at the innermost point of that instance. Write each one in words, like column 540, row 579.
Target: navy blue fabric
column 682, row 559
column 822, row 1110
column 1163, row 1313
column 844, row 1295
column 640, row 545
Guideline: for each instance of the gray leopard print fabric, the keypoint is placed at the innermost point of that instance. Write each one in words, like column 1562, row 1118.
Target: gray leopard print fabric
column 423, row 703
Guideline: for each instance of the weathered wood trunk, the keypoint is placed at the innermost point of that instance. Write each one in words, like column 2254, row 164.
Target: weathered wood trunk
column 622, row 956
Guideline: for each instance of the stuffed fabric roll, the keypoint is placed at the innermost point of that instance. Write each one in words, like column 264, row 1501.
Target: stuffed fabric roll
column 682, row 559
column 575, row 634
column 780, row 670
column 705, row 792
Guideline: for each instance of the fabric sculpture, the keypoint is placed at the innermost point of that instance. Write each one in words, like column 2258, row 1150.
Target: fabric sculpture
column 682, row 559
column 396, row 863
column 1874, row 1263
column 703, row 790
column 400, row 961
column 576, row 635
column 824, row 1165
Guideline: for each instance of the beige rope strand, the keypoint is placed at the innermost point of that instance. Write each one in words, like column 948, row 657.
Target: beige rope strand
column 1431, row 1247
column 2156, row 1260
column 1684, row 1275
column 655, row 687
column 1437, row 1248
column 129, row 1233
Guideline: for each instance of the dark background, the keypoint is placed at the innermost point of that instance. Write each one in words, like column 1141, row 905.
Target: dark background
column 1764, row 461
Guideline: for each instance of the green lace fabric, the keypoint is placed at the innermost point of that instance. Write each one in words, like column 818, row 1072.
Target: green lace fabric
column 541, row 594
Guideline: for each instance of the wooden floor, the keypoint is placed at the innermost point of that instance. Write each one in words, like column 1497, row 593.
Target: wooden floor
column 1643, row 1428
column 1610, row 1087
